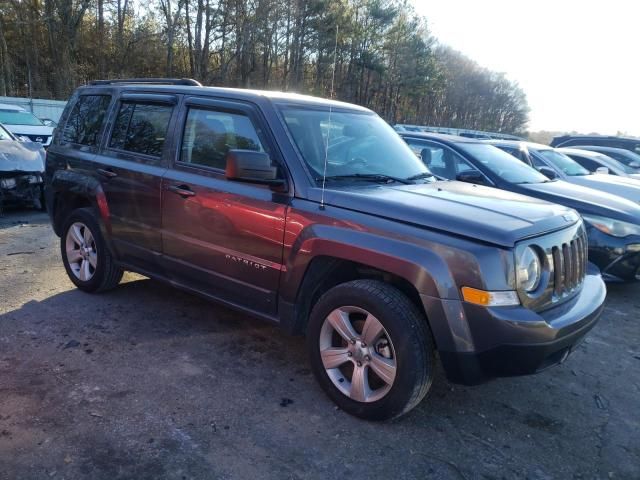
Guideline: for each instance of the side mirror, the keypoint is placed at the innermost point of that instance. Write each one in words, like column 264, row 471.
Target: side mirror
column 471, row 176
column 548, row 172
column 251, row 166
column 602, row 170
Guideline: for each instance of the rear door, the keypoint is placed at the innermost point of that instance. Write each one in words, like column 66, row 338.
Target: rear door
column 131, row 165
column 221, row 237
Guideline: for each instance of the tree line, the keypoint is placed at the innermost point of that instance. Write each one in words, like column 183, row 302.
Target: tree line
column 377, row 53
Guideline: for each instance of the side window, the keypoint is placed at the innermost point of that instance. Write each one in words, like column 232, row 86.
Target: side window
column 537, row 163
column 141, row 128
column 442, row 161
column 586, row 163
column 85, row 120
column 210, row 134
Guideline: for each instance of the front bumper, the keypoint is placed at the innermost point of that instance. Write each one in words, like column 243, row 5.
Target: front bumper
column 618, row 258
column 477, row 343
column 24, row 188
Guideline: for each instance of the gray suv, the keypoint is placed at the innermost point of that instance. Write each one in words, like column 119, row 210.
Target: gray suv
column 315, row 215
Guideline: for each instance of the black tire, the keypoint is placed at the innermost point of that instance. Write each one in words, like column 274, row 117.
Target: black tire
column 410, row 336
column 106, row 274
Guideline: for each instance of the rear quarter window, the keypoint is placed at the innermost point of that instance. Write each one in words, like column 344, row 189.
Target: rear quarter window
column 86, row 121
column 141, row 128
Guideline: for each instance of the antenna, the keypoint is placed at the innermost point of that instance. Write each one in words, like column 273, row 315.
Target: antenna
column 331, row 93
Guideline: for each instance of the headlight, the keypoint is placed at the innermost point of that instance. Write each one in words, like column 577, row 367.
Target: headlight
column 529, row 270
column 34, row 179
column 24, row 138
column 613, row 227
column 8, row 182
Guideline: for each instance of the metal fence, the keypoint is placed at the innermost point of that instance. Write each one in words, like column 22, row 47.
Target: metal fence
column 39, row 107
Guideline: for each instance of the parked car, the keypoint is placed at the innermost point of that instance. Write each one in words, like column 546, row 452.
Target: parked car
column 627, row 143
column 597, row 162
column 554, row 164
column 627, row 157
column 21, row 171
column 612, row 223
column 24, row 124
column 234, row 195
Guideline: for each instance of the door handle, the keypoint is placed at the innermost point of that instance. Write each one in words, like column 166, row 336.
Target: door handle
column 182, row 190
column 107, row 172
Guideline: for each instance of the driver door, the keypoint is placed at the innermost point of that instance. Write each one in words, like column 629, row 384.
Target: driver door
column 220, row 237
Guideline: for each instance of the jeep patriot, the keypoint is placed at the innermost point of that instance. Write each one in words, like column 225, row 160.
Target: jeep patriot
column 314, row 214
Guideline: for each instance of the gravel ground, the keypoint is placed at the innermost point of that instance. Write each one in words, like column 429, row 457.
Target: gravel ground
column 149, row 382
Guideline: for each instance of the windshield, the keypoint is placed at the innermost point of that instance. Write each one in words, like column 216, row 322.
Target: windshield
column 564, row 163
column 626, row 158
column 4, row 134
column 359, row 144
column 505, row 166
column 15, row 117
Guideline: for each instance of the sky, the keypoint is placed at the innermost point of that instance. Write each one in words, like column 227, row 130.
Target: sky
column 577, row 61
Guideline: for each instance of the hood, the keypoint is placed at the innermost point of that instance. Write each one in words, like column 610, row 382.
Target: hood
column 21, row 157
column 481, row 213
column 29, row 129
column 625, row 187
column 585, row 200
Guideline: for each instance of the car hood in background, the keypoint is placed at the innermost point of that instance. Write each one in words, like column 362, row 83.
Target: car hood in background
column 586, row 201
column 482, row 213
column 29, row 129
column 626, row 187
column 21, row 157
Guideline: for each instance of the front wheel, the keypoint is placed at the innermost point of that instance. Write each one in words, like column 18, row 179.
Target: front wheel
column 371, row 349
column 86, row 258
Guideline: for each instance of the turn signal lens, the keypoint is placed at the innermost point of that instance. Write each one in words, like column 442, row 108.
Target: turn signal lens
column 490, row 299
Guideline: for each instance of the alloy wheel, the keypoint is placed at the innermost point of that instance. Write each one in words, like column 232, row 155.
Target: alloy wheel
column 357, row 354
column 82, row 255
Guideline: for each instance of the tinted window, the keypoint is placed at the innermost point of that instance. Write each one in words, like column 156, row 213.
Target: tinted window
column 141, row 128
column 505, row 166
column 586, row 163
column 210, row 134
column 564, row 163
column 86, row 119
column 440, row 160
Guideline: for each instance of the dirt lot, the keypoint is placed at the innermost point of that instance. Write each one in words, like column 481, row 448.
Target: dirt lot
column 148, row 382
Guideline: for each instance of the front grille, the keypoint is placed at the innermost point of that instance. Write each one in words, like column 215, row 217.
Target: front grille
column 569, row 265
column 38, row 138
column 564, row 254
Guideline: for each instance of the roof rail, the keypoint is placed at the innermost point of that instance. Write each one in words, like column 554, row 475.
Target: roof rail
column 158, row 81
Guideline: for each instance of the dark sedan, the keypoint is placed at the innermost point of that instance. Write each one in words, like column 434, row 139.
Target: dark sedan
column 613, row 223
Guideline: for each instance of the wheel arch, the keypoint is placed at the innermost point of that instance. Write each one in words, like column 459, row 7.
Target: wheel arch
column 72, row 190
column 319, row 264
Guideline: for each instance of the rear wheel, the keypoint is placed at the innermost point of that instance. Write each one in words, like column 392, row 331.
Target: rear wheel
column 86, row 258
column 371, row 349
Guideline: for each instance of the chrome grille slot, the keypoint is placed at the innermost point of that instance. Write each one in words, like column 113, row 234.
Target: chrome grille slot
column 558, row 271
column 569, row 263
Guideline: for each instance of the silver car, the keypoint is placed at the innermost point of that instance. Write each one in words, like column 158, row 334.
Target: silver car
column 555, row 164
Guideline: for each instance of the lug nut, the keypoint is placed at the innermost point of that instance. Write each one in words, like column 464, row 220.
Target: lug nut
column 349, row 354
column 353, row 342
column 359, row 364
column 363, row 344
column 367, row 358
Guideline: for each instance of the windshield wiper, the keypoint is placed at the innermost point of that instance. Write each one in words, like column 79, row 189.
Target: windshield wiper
column 371, row 177
column 422, row 175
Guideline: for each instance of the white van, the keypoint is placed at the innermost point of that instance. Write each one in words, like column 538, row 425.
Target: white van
column 24, row 124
